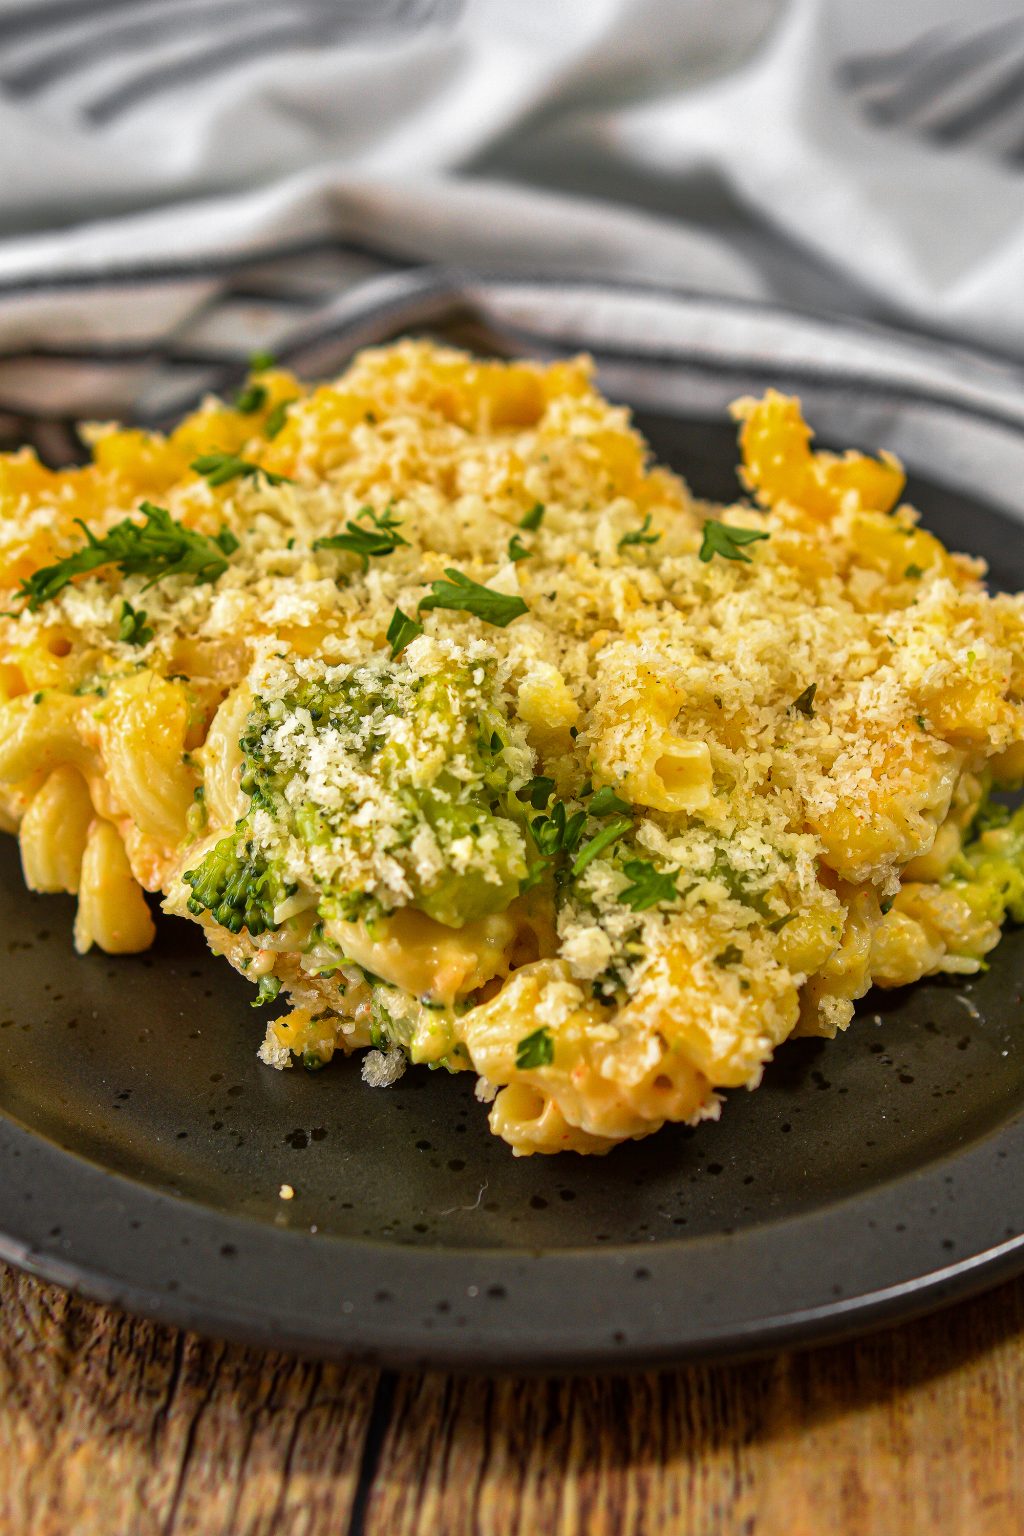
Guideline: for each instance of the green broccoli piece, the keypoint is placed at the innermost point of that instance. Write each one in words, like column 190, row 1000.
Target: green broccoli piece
column 448, row 780
column 992, row 862
column 236, row 885
column 454, row 899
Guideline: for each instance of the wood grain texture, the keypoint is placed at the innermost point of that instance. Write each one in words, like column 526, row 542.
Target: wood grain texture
column 110, row 1425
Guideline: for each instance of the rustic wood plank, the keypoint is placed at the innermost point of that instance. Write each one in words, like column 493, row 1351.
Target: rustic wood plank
column 110, row 1425
column 914, row 1429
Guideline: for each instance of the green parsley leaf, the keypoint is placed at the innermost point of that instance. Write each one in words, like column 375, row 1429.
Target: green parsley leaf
column 382, row 539
column 913, row 572
column 731, row 955
column 276, row 418
column 598, row 843
column 558, row 833
column 778, row 923
column 401, row 630
column 156, row 548
column 640, row 535
column 259, row 362
column 532, row 520
column 517, row 550
column 226, row 540
column 251, row 399
column 536, row 1050
column 606, row 801
column 738, row 887
column 133, row 629
column 922, row 723
column 720, row 539
column 462, row 595
column 648, row 887
column 538, row 791
column 219, row 467
column 804, row 702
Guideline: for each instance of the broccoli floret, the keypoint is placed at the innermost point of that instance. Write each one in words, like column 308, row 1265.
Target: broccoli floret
column 992, row 862
column 452, row 897
column 236, row 885
column 378, row 768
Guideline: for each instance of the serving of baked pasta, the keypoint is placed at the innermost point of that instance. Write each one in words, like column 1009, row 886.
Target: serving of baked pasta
column 474, row 741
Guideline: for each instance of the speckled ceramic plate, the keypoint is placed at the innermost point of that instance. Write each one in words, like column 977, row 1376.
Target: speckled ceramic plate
column 142, row 1146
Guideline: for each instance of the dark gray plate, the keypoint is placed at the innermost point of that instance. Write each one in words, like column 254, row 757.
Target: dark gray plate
column 142, row 1147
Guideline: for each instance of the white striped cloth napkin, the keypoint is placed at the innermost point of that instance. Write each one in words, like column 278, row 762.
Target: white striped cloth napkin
column 183, row 181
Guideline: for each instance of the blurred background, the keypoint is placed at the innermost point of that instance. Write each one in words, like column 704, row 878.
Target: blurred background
column 183, row 181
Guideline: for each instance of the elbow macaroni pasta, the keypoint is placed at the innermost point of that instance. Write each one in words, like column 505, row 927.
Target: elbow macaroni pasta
column 607, row 832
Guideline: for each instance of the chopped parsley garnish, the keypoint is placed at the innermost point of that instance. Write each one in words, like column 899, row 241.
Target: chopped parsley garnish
column 913, row 572
column 606, row 802
column 276, row 417
column 226, row 541
column 599, row 842
column 463, row 595
column 720, row 539
column 532, row 520
column 251, row 399
column 538, row 791
column 517, row 550
column 382, row 539
column 922, row 723
column 259, row 362
column 778, row 923
column 738, row 885
column 219, row 467
column 558, row 833
column 804, row 702
column 156, row 548
column 649, row 887
column 401, row 630
column 731, row 955
column 640, row 535
column 536, row 1050
column 132, row 626
column 269, row 987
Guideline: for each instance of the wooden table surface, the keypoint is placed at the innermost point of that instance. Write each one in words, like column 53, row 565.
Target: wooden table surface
column 109, row 1425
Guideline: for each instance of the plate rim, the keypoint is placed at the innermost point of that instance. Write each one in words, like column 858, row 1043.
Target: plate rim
column 664, row 1279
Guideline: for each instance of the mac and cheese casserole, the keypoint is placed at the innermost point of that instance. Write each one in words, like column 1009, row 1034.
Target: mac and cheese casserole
column 474, row 741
